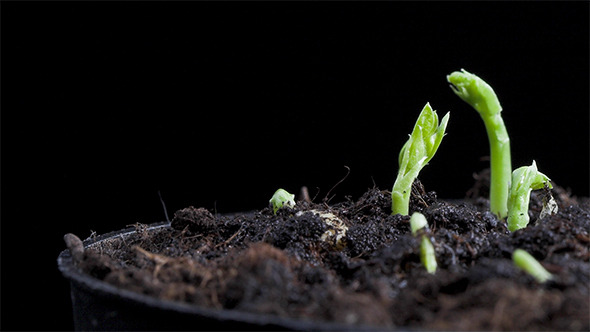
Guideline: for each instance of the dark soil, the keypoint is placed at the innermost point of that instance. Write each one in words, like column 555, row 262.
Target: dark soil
column 279, row 264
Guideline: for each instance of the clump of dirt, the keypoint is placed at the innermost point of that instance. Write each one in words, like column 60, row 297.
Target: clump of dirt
column 282, row 265
column 196, row 220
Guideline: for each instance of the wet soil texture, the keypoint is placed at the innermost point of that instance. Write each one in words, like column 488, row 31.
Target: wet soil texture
column 363, row 267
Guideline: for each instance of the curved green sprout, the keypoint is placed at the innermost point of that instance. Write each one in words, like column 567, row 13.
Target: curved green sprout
column 524, row 180
column 482, row 98
column 415, row 154
column 280, row 198
column 528, row 263
column 427, row 254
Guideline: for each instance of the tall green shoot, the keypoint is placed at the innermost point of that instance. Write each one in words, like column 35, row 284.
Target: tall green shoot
column 480, row 95
column 415, row 154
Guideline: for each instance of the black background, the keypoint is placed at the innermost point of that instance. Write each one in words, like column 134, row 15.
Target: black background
column 219, row 104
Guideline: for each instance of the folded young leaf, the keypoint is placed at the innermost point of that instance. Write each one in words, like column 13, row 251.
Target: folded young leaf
column 280, row 198
column 415, row 154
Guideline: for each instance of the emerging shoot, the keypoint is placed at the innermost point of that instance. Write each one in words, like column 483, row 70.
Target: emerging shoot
column 415, row 154
column 417, row 222
column 477, row 93
column 528, row 263
column 427, row 255
column 524, row 180
column 280, row 198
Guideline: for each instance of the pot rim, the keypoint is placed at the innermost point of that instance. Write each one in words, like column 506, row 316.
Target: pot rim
column 103, row 289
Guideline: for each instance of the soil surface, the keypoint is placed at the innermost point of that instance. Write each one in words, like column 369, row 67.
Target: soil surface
column 291, row 264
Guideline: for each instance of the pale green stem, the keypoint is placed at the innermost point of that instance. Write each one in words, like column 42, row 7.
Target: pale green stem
column 400, row 195
column 500, row 164
column 427, row 255
column 519, row 215
column 402, row 188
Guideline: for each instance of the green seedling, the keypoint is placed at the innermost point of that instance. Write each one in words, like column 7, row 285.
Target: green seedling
column 281, row 198
column 528, row 263
column 524, row 180
column 415, row 154
column 482, row 98
column 427, row 255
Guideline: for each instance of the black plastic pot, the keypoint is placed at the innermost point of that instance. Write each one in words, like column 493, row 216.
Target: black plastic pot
column 98, row 305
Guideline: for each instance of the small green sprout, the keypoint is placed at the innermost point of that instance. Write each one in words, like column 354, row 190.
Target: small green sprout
column 417, row 222
column 524, row 180
column 427, row 255
column 415, row 154
column 280, row 198
column 528, row 263
column 480, row 95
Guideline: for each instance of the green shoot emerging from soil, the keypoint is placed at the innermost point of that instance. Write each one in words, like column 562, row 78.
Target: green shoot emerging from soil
column 427, row 256
column 280, row 198
column 415, row 154
column 524, row 180
column 417, row 222
column 482, row 98
column 528, row 263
